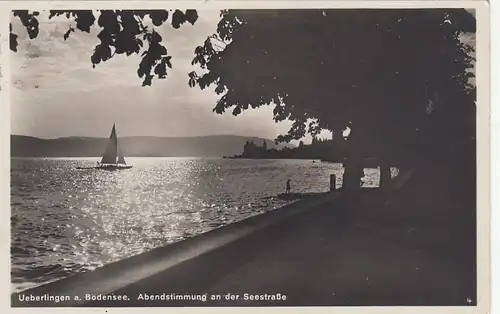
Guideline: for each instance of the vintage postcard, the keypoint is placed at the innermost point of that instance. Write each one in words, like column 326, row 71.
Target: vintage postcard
column 229, row 155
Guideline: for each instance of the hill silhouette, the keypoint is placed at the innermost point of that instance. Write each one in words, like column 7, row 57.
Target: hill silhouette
column 137, row 146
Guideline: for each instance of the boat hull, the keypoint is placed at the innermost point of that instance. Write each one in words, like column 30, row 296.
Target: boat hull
column 108, row 168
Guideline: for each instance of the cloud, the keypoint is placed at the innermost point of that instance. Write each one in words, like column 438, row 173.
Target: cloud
column 50, row 56
column 60, row 94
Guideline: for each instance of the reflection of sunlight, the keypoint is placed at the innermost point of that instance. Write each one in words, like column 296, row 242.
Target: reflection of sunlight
column 372, row 176
column 139, row 210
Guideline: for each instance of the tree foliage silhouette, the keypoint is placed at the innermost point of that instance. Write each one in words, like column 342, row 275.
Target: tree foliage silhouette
column 122, row 32
column 399, row 79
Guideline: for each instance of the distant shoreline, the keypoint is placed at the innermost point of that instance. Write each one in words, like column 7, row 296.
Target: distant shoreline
column 144, row 146
column 289, row 158
column 165, row 157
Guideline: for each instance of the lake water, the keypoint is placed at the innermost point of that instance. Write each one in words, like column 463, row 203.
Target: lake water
column 65, row 220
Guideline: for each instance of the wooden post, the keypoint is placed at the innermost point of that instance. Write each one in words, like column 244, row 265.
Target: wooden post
column 333, row 182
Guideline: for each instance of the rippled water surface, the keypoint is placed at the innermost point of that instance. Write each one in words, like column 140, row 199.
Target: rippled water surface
column 66, row 220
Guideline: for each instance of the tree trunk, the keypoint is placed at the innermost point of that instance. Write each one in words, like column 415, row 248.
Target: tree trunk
column 353, row 170
column 385, row 175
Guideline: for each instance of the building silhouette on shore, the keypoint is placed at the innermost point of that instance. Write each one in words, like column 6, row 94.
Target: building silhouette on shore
column 318, row 149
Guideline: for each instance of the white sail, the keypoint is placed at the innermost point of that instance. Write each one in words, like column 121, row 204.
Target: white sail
column 111, row 149
column 121, row 159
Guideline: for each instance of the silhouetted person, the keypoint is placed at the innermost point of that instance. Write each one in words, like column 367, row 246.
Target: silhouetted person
column 287, row 186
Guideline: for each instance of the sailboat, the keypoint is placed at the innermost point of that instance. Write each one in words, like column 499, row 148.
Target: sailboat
column 113, row 158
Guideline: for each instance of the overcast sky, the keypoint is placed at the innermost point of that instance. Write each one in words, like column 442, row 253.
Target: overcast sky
column 57, row 92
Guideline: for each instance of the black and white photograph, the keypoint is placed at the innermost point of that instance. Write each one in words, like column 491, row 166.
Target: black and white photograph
column 246, row 156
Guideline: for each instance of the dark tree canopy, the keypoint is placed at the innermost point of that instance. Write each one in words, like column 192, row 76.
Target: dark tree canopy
column 374, row 71
column 121, row 32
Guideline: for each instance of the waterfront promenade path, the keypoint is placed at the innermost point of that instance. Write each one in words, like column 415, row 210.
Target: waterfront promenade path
column 412, row 248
